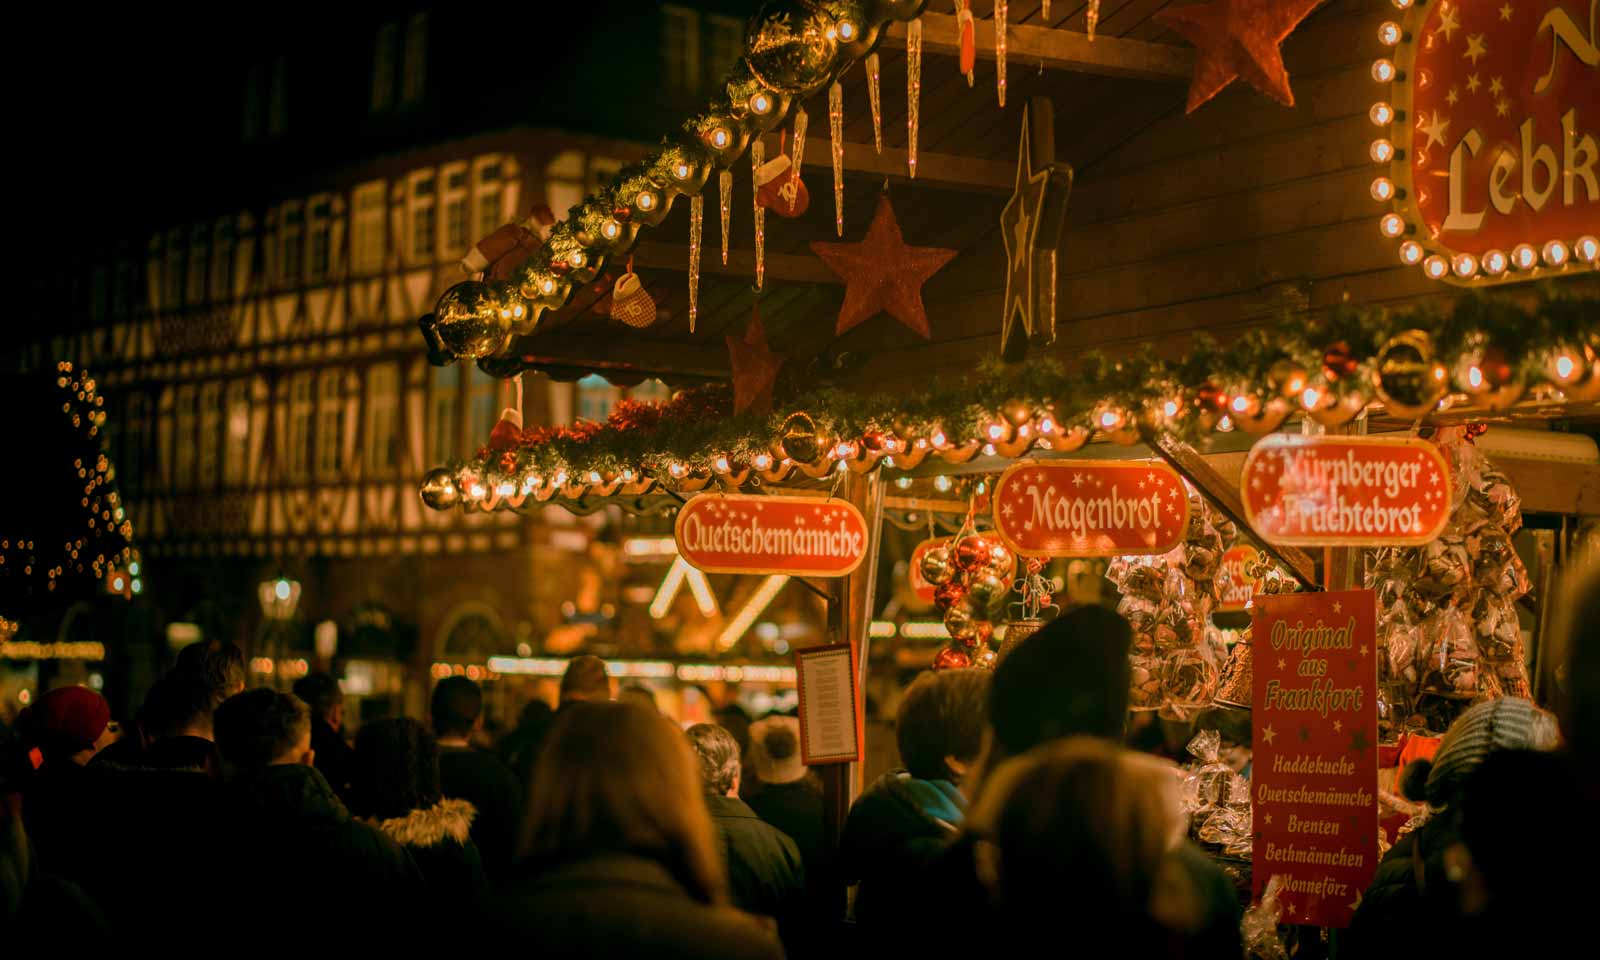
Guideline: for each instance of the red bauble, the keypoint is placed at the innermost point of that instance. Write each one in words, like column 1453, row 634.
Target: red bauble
column 1337, row 363
column 983, row 636
column 952, row 658
column 1496, row 366
column 949, row 594
column 973, row 552
column 622, row 213
column 1210, row 398
column 876, row 441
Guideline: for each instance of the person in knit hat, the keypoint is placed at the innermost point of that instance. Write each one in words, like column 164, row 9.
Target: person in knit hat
column 69, row 725
column 1414, row 893
column 789, row 798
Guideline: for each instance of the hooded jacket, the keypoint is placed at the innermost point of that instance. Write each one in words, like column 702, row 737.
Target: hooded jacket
column 897, row 828
column 439, row 840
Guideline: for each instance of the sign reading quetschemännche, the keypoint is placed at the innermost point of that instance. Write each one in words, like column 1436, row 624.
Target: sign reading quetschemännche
column 797, row 536
column 1314, row 772
column 1360, row 491
column 1090, row 508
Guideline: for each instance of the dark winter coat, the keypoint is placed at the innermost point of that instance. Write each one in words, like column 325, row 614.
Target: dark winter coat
column 796, row 809
column 62, row 804
column 479, row 778
column 619, row 906
column 765, row 873
column 898, row 827
column 333, row 757
column 1410, row 900
column 439, row 841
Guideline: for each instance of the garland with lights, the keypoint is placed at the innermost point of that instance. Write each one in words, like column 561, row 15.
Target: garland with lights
column 1493, row 351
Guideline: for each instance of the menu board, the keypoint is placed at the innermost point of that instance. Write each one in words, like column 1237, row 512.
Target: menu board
column 830, row 707
column 1314, row 776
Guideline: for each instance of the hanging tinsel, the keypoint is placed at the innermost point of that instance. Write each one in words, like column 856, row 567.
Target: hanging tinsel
column 836, row 145
column 1000, row 50
column 913, row 92
column 873, row 95
column 697, row 210
column 1091, row 17
column 758, row 156
column 725, row 194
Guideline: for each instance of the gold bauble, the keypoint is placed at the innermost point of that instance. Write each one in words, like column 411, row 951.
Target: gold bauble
column 937, row 566
column 1407, row 376
column 988, row 591
column 1338, row 410
column 801, row 442
column 1263, row 418
column 439, row 490
column 960, row 622
column 791, row 46
column 470, row 320
column 1288, row 379
column 1016, row 412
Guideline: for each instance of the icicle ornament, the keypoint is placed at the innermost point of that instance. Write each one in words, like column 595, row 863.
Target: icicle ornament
column 799, row 156
column 1091, row 17
column 913, row 92
column 697, row 211
column 725, row 194
column 1000, row 50
column 836, row 145
column 873, row 95
column 1044, row 11
column 758, row 156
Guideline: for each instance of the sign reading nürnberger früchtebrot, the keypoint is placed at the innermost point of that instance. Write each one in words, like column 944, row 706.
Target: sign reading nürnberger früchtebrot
column 797, row 536
column 1090, row 508
column 1359, row 491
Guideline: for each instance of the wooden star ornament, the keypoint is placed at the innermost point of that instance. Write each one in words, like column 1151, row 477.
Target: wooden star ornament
column 1031, row 226
column 755, row 368
column 1238, row 38
column 882, row 274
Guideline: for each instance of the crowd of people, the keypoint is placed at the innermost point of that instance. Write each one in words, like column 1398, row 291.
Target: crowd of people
column 599, row 828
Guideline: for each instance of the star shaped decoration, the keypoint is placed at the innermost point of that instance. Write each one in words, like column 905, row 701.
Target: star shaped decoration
column 1436, row 129
column 1031, row 226
column 755, row 369
column 1338, row 726
column 1503, row 108
column 882, row 274
column 1505, row 13
column 1359, row 742
column 1267, row 733
column 1476, row 48
column 1497, row 86
column 1267, row 819
column 1473, row 83
column 1238, row 38
column 1363, row 649
column 1453, row 96
column 1337, row 606
column 1448, row 24
column 1283, row 664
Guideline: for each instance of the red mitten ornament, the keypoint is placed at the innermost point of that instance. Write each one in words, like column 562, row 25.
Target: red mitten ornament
column 630, row 302
column 780, row 192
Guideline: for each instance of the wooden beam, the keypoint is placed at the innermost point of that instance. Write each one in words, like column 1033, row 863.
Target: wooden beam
column 780, row 266
column 1058, row 49
column 622, row 352
column 933, row 169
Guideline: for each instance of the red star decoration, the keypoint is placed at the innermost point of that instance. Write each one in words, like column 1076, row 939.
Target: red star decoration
column 1238, row 38
column 755, row 369
column 882, row 274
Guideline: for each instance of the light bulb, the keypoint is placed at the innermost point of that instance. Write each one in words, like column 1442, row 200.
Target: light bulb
column 594, row 476
column 939, row 439
column 1465, row 265
column 1494, row 263
column 1382, row 151
column 677, row 470
column 1402, row 4
column 611, row 229
column 1110, row 420
column 721, row 465
column 1225, row 424
column 1524, row 256
column 1392, row 224
column 996, row 431
column 988, row 449
column 577, row 258
column 1565, row 366
column 1389, row 33
column 1435, row 267
column 506, row 489
column 1241, row 403
column 1411, row 252
column 1381, row 114
column 763, row 461
column 1170, row 408
column 646, row 200
column 547, row 286
column 627, row 475
column 720, row 137
column 561, row 478
column 1383, row 71
column 1587, row 249
column 942, row 484
column 760, row 103
column 1555, row 253
column 1047, row 425
column 847, row 30
column 1311, row 398
column 1475, row 377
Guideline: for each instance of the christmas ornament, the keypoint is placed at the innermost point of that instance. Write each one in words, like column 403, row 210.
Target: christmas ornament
column 1238, row 38
column 801, row 122
column 1487, row 375
column 509, row 245
column 755, row 369
column 725, row 195
column 439, row 490
column 473, row 319
column 630, row 303
column 980, row 639
column 960, row 623
column 949, row 594
column 913, row 92
column 836, row 147
column 790, row 46
column 697, row 211
column 1031, row 226
column 800, row 441
column 1000, row 51
column 1001, row 561
column 757, row 153
column 1338, row 363
column 1407, row 376
column 874, row 97
column 1016, row 412
column 988, row 590
column 953, row 657
column 973, row 552
column 1091, row 17
column 938, row 567
column 968, row 59
column 507, row 431
column 986, row 658
column 882, row 273
column 779, row 191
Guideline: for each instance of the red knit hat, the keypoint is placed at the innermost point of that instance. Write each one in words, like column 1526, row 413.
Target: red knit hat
column 71, row 718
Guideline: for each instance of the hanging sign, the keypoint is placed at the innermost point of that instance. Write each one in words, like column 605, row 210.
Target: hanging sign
column 1351, row 491
column 1489, row 132
column 1314, row 776
column 797, row 536
column 1090, row 508
column 1235, row 585
column 831, row 720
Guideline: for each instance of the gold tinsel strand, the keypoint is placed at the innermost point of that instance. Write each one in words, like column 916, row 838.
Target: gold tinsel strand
column 697, row 210
column 913, row 92
column 1092, row 17
column 758, row 156
column 800, row 122
column 1000, row 50
column 836, row 145
column 725, row 189
column 877, row 104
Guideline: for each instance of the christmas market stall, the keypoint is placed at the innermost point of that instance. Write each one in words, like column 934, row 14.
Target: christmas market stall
column 1300, row 376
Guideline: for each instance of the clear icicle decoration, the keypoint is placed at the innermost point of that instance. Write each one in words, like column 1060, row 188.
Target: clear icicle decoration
column 697, row 212
column 913, row 91
column 1044, row 11
column 800, row 121
column 877, row 104
column 758, row 156
column 725, row 189
column 836, row 144
column 1000, row 50
column 1091, row 17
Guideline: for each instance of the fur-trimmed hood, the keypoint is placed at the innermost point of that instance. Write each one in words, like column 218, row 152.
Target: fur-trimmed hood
column 449, row 819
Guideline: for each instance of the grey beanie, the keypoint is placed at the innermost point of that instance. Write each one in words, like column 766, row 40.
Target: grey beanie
column 1504, row 724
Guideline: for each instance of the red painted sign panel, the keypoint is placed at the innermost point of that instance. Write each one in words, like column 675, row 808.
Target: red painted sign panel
column 1314, row 773
column 1235, row 585
column 1358, row 491
column 1090, row 508
column 798, row 536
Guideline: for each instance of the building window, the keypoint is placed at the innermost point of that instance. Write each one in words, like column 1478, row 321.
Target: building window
column 278, row 104
column 131, row 454
column 121, row 289
column 199, row 264
column 255, row 99
column 302, row 405
column 650, row 391
column 291, row 244
column 384, row 53
column 99, row 293
column 383, row 418
column 680, row 50
column 210, row 433
column 596, row 397
column 173, row 294
column 564, row 179
column 320, row 247
column 415, row 81
column 491, row 197
column 443, row 403
column 222, row 261
column 369, row 227
column 330, row 424
column 483, row 408
column 724, row 47
column 424, row 226
column 236, row 452
column 183, row 426
column 455, row 209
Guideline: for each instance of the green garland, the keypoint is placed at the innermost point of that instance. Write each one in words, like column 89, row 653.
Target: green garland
column 695, row 428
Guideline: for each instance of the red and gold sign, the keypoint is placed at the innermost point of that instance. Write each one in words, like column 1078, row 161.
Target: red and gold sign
column 1090, row 508
column 1489, row 133
column 1355, row 491
column 1314, row 778
column 1234, row 581
column 797, row 536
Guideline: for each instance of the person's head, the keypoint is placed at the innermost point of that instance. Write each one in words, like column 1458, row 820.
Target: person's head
column 1081, row 824
column 396, row 768
column 1509, row 723
column 613, row 778
column 1572, row 671
column 732, row 718
column 638, row 696
column 216, row 664
column 1515, row 814
column 322, row 694
column 775, row 750
column 457, row 707
column 535, row 714
column 718, row 754
column 178, row 704
column 1069, row 679
column 585, row 681
column 262, row 728
column 71, row 723
column 939, row 728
